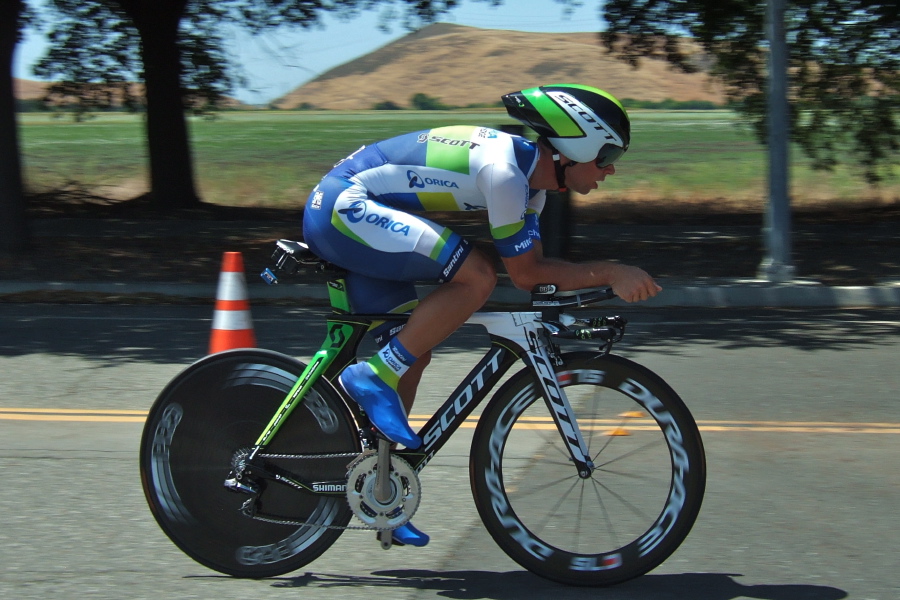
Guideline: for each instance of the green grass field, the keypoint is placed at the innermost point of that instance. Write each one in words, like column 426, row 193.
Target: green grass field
column 271, row 158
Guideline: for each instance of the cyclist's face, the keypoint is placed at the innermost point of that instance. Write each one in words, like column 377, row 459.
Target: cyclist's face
column 584, row 177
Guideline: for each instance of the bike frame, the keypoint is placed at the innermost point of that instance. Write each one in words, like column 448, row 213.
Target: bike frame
column 514, row 336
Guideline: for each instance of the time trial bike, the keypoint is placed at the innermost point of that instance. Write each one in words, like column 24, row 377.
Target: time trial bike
column 586, row 468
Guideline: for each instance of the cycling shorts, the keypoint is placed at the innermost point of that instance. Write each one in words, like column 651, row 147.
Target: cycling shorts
column 386, row 250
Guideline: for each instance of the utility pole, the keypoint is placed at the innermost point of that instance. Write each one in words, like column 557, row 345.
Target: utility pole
column 776, row 265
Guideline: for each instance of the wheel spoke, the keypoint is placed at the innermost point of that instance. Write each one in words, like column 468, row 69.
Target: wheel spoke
column 553, row 510
column 638, row 450
column 610, row 526
column 532, row 490
column 594, row 401
column 626, row 503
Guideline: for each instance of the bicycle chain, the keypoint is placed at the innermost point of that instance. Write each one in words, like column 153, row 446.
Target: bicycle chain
column 279, row 521
column 311, row 456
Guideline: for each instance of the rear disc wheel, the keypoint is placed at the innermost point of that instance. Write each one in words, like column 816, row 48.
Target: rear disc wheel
column 202, row 421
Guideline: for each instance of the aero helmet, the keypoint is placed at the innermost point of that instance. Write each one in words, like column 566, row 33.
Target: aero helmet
column 584, row 123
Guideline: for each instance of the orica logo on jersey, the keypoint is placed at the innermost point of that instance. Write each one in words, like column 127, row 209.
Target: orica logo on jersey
column 358, row 211
column 417, row 181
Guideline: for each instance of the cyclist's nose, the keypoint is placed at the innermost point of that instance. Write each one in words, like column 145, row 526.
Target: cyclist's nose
column 606, row 172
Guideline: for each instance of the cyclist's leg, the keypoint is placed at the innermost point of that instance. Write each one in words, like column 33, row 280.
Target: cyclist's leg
column 433, row 318
column 398, row 248
column 347, row 228
column 370, row 295
column 375, row 384
column 445, row 309
column 409, row 383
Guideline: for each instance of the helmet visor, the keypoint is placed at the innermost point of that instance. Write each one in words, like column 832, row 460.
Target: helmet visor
column 608, row 155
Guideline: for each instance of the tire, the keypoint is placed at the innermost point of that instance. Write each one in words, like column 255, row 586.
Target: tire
column 222, row 404
column 637, row 506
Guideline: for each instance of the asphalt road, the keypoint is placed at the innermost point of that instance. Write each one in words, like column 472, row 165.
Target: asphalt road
column 798, row 409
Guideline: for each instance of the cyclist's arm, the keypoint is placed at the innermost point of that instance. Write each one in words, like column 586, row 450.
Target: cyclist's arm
column 531, row 268
column 503, row 185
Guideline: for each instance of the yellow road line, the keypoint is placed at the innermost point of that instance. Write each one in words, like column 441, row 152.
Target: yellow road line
column 532, row 423
column 73, row 415
column 71, row 418
column 79, row 411
column 832, row 428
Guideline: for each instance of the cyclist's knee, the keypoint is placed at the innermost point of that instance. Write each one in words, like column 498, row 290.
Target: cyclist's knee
column 478, row 274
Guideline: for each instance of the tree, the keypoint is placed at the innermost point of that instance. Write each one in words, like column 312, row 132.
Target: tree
column 176, row 48
column 170, row 45
column 13, row 229
column 844, row 63
column 422, row 101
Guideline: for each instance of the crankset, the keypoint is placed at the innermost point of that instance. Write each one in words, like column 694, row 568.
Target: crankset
column 385, row 508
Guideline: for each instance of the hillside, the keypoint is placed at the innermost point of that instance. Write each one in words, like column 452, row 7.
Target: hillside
column 27, row 89
column 466, row 65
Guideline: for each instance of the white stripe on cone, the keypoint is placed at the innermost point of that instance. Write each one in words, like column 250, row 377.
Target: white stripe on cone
column 231, row 286
column 232, row 320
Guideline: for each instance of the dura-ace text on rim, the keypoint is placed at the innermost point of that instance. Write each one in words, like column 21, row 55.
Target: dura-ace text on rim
column 680, row 462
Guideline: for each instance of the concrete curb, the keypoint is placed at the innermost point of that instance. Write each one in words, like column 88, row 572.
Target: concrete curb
column 712, row 294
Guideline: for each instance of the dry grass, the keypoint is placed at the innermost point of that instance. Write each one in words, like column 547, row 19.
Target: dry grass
column 465, row 65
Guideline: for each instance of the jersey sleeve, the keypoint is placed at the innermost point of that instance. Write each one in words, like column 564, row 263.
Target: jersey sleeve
column 511, row 213
column 533, row 213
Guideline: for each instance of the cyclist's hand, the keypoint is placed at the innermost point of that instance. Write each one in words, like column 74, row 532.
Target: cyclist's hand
column 632, row 284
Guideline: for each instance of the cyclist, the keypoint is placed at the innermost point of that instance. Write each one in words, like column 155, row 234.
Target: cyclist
column 358, row 217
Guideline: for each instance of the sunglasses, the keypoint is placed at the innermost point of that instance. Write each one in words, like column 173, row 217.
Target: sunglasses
column 608, row 155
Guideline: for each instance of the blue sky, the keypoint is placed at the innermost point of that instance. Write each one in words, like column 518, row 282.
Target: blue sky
column 277, row 62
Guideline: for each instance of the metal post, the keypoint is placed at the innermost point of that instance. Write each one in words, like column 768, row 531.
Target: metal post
column 556, row 223
column 776, row 264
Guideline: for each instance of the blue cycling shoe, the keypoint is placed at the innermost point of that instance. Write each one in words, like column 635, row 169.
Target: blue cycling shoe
column 407, row 535
column 381, row 403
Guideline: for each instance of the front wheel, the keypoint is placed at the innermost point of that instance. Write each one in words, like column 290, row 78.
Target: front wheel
column 206, row 416
column 635, row 508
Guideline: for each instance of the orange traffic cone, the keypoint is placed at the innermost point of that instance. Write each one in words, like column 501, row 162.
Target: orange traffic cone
column 232, row 326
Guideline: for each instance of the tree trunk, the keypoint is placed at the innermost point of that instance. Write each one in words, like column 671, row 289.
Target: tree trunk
column 171, row 163
column 13, row 226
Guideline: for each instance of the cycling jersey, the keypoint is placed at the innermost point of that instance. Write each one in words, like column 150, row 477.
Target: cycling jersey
column 359, row 215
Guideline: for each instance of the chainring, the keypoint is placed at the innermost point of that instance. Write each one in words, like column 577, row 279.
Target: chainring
column 406, row 492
